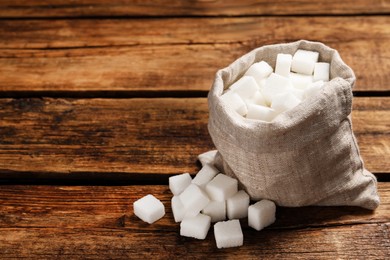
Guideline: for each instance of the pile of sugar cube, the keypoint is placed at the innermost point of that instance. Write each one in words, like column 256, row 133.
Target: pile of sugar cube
column 263, row 94
column 211, row 197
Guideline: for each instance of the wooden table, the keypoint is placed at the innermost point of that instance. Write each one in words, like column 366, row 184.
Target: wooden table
column 102, row 101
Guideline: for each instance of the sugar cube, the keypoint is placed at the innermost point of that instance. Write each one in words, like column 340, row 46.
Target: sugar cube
column 216, row 210
column 237, row 205
column 298, row 93
column 228, row 234
column 259, row 71
column 207, row 157
column 284, row 101
column 274, row 85
column 234, row 101
column 261, row 214
column 194, row 200
column 149, row 209
column 178, row 208
column 260, row 113
column 283, row 64
column 205, row 175
column 321, row 71
column 245, row 87
column 196, row 227
column 303, row 61
column 178, row 183
column 257, row 99
column 300, row 81
column 222, row 187
column 314, row 88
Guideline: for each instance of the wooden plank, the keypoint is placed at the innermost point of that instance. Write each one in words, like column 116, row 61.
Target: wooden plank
column 87, row 8
column 145, row 55
column 136, row 138
column 98, row 221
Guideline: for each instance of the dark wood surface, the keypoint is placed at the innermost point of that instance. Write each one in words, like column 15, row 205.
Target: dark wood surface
column 102, row 101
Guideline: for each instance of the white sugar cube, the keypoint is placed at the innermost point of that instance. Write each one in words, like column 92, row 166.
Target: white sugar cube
column 207, row 157
column 196, row 227
column 245, row 87
column 228, row 234
column 216, row 210
column 149, row 209
column 234, row 101
column 259, row 71
column 178, row 208
column 261, row 214
column 260, row 113
column 300, row 81
column 321, row 71
column 314, row 88
column 285, row 101
column 283, row 64
column 205, row 175
column 222, row 187
column 298, row 93
column 178, row 183
column 303, row 61
column 257, row 99
column 274, row 85
column 237, row 205
column 194, row 200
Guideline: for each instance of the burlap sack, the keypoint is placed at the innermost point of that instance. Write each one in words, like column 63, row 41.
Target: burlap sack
column 307, row 155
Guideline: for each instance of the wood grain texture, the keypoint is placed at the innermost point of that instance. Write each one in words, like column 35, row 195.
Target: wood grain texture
column 98, row 222
column 86, row 8
column 136, row 138
column 180, row 54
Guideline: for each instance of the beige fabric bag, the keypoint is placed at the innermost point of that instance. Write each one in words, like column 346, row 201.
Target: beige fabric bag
column 305, row 156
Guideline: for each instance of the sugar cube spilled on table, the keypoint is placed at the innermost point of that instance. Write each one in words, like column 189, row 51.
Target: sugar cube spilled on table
column 237, row 205
column 180, row 182
column 261, row 214
column 264, row 93
column 211, row 197
column 149, row 209
column 196, row 227
column 228, row 234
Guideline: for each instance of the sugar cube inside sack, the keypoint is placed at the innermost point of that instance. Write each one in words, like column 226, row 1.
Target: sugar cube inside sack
column 235, row 102
column 194, row 200
column 314, row 88
column 196, row 227
column 216, row 210
column 303, row 61
column 260, row 113
column 205, row 175
column 321, row 71
column 274, row 85
column 222, row 187
column 228, row 234
column 178, row 183
column 149, row 209
column 284, row 102
column 259, row 71
column 178, row 209
column 257, row 99
column 237, row 205
column 207, row 157
column 261, row 214
column 283, row 64
column 300, row 81
column 245, row 87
